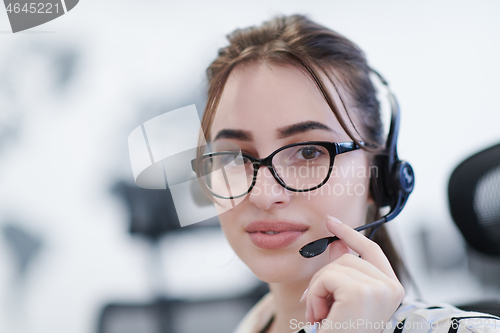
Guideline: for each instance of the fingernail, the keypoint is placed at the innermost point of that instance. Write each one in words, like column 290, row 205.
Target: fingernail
column 303, row 298
column 333, row 219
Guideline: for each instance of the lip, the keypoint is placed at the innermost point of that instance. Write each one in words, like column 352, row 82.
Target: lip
column 287, row 233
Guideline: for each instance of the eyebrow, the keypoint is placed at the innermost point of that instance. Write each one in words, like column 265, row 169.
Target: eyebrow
column 283, row 132
column 302, row 127
column 234, row 134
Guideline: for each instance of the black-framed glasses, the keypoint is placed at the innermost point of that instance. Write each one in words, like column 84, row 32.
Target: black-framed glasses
column 298, row 167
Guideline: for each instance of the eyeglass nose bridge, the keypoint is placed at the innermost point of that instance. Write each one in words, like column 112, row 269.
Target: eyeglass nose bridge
column 265, row 162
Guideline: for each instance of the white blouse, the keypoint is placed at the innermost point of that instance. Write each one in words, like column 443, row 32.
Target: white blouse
column 411, row 317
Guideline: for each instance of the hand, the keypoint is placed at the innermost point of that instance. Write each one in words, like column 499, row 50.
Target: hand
column 354, row 293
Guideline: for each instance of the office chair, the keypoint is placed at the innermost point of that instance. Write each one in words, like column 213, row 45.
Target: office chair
column 152, row 215
column 474, row 202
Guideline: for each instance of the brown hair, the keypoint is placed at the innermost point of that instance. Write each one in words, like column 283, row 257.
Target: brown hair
column 316, row 50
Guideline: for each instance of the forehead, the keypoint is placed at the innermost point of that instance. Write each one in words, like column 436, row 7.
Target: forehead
column 264, row 97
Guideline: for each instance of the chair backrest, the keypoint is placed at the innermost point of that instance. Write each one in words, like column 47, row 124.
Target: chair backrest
column 176, row 316
column 474, row 199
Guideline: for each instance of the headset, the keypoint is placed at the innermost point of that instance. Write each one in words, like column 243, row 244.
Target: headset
column 395, row 180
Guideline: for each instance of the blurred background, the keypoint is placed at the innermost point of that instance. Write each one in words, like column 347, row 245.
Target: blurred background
column 83, row 250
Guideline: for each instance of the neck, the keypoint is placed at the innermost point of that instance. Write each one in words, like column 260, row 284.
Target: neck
column 289, row 311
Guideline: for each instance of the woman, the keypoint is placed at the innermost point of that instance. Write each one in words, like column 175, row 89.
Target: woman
column 295, row 84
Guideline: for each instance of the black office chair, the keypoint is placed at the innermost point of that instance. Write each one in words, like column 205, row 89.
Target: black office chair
column 474, row 200
column 172, row 316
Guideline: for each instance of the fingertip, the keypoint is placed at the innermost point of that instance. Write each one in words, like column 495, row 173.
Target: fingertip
column 333, row 223
column 334, row 219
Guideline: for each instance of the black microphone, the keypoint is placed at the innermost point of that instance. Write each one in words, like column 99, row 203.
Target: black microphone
column 319, row 246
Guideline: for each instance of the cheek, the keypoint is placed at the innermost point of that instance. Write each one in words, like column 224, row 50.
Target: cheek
column 227, row 222
column 227, row 209
column 232, row 229
column 346, row 193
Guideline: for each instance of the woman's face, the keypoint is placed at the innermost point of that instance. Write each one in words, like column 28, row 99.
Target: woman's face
column 260, row 104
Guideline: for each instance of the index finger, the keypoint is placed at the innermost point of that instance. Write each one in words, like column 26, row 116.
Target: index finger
column 366, row 248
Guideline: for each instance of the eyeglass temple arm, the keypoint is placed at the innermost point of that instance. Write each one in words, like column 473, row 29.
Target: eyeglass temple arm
column 344, row 147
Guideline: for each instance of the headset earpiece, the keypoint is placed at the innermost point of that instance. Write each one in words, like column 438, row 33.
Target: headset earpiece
column 395, row 177
column 405, row 178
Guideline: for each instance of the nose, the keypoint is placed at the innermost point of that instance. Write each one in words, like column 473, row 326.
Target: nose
column 267, row 192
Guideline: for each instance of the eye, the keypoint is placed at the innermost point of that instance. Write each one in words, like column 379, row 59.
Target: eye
column 308, row 153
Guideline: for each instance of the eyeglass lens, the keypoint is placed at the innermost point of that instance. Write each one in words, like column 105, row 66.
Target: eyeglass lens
column 302, row 167
column 230, row 174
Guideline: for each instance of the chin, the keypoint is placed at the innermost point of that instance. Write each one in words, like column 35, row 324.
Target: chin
column 282, row 267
